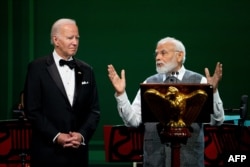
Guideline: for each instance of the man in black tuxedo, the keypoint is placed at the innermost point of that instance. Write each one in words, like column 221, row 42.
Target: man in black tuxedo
column 61, row 102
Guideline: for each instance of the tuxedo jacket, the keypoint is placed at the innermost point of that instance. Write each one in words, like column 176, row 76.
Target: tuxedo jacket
column 50, row 112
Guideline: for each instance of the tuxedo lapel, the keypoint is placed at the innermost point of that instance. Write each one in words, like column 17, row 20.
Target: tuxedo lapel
column 78, row 81
column 53, row 71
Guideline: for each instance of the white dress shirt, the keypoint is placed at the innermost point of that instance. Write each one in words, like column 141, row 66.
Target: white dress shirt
column 131, row 113
column 68, row 79
column 67, row 76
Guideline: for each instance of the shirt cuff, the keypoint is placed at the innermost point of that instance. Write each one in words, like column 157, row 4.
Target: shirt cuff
column 54, row 139
column 83, row 141
column 217, row 96
column 122, row 99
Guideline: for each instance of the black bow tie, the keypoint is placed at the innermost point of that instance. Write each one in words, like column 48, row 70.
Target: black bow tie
column 70, row 63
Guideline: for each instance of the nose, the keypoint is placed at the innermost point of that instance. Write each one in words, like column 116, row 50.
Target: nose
column 75, row 41
column 157, row 56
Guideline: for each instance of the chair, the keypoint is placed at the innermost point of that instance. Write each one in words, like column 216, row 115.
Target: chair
column 17, row 135
column 221, row 141
column 123, row 144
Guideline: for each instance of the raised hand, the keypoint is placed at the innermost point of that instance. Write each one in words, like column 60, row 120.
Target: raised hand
column 119, row 83
column 214, row 80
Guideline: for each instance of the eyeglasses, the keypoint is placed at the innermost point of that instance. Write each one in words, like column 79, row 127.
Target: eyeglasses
column 165, row 52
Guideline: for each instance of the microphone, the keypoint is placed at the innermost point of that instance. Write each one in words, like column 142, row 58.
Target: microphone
column 243, row 109
column 175, row 73
column 176, row 78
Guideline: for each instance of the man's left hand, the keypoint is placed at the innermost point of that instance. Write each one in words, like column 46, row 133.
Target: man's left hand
column 214, row 80
column 74, row 140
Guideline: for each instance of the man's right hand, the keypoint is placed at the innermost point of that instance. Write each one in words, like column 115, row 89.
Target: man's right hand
column 119, row 83
column 73, row 139
column 62, row 138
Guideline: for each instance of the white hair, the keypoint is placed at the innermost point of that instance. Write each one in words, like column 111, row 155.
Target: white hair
column 57, row 25
column 178, row 45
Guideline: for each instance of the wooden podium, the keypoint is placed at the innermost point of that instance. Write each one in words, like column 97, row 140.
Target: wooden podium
column 175, row 107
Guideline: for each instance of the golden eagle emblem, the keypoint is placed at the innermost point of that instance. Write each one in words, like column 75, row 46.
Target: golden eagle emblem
column 174, row 108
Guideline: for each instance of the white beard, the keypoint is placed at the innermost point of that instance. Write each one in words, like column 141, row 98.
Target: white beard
column 167, row 67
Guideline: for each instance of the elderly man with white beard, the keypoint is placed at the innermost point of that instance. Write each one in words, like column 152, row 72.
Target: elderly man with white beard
column 170, row 55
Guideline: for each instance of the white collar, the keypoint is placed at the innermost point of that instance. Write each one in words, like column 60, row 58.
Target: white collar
column 180, row 75
column 57, row 58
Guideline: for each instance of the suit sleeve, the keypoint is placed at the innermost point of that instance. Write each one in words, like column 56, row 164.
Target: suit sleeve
column 33, row 104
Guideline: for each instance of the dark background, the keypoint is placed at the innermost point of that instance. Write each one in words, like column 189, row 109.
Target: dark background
column 124, row 33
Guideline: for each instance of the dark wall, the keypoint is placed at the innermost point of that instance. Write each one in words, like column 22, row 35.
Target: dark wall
column 125, row 33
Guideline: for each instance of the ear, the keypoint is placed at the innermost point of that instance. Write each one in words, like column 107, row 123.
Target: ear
column 55, row 40
column 180, row 56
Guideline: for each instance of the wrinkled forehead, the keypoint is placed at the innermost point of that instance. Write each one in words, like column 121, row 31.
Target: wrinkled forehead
column 165, row 46
column 69, row 27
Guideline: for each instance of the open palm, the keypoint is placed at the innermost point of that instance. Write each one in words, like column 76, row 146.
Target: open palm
column 119, row 83
column 214, row 80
